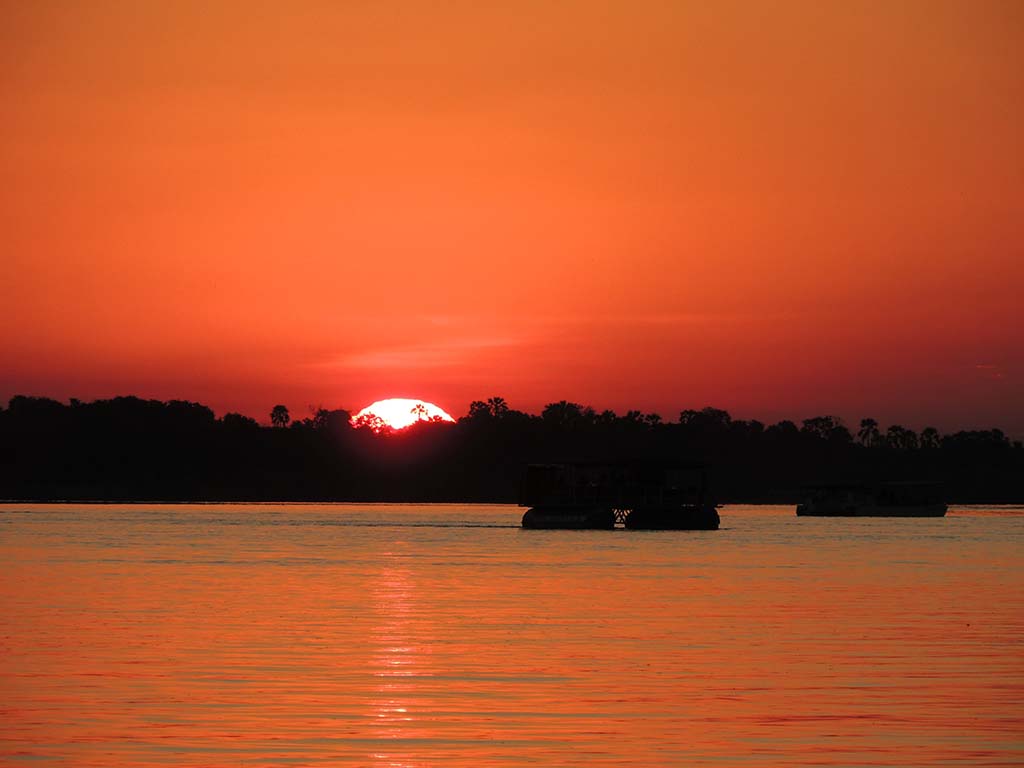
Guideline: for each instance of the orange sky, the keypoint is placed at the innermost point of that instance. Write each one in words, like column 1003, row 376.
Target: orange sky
column 782, row 209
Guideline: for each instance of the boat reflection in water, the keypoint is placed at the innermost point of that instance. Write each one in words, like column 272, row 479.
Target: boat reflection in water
column 639, row 495
column 893, row 499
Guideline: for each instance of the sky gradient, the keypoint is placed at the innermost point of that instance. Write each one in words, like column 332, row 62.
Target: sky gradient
column 782, row 209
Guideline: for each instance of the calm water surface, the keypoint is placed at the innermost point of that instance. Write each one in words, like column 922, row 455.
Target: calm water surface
column 259, row 635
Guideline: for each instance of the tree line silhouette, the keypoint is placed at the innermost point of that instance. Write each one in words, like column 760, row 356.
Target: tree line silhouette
column 128, row 449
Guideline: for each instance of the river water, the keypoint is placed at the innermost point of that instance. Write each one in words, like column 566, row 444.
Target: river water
column 423, row 635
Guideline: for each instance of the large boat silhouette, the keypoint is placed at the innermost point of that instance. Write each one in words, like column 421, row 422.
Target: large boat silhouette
column 637, row 495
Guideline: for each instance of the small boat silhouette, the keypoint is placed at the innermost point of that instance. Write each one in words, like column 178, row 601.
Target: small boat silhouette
column 892, row 499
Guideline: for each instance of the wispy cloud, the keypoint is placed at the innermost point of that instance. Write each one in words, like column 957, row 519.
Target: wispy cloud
column 429, row 354
column 454, row 340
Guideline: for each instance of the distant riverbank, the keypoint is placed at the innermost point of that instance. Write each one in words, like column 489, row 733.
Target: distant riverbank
column 126, row 449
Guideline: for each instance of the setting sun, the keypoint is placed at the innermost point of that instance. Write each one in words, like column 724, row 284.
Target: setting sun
column 399, row 413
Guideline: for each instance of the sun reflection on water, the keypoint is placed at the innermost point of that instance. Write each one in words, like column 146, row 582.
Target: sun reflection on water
column 399, row 659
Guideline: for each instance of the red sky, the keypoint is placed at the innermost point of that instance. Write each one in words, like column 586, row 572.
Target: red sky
column 782, row 209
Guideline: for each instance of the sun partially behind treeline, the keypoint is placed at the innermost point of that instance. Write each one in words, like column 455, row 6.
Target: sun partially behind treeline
column 132, row 449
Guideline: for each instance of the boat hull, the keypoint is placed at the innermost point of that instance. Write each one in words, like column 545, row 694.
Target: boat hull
column 872, row 510
column 569, row 518
column 696, row 517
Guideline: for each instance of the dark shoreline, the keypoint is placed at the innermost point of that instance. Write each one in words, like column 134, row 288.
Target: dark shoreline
column 126, row 449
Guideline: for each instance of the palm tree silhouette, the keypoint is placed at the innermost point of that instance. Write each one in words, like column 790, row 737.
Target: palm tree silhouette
column 279, row 417
column 868, row 434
